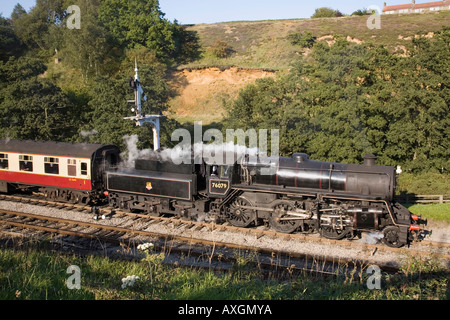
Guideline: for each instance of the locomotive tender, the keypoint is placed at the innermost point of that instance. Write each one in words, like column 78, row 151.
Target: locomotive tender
column 289, row 194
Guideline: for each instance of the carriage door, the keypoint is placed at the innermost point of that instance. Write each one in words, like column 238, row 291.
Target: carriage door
column 219, row 180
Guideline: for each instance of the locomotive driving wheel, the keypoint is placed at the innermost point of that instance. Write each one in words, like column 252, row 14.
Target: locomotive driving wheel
column 392, row 237
column 239, row 215
column 334, row 234
column 279, row 220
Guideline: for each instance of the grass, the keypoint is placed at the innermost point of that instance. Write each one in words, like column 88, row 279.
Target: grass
column 32, row 272
column 437, row 212
column 427, row 183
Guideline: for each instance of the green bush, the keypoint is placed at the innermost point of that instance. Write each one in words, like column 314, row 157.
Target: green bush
column 361, row 12
column 305, row 40
column 220, row 49
column 326, row 13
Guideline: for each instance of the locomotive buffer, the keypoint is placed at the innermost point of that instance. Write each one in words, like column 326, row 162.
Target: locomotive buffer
column 141, row 118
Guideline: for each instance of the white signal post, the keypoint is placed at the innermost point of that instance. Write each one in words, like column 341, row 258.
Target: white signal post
column 141, row 118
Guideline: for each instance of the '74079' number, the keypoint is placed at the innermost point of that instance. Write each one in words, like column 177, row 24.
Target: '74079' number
column 219, row 185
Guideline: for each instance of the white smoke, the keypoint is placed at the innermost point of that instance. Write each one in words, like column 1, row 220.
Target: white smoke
column 210, row 153
column 373, row 238
column 132, row 152
column 85, row 133
column 224, row 152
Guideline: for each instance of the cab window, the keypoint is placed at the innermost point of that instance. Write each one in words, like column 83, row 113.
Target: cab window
column 224, row 172
column 214, row 171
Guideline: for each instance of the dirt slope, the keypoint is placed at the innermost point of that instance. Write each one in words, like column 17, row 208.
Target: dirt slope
column 202, row 94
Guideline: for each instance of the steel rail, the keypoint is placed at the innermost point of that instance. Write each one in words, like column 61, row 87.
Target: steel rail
column 221, row 227
column 190, row 240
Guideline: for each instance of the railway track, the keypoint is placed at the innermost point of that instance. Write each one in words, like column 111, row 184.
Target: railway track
column 266, row 262
column 134, row 227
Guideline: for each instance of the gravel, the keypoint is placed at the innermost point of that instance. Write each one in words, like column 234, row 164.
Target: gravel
column 359, row 250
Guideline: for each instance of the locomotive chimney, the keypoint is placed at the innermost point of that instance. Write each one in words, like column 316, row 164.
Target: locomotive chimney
column 369, row 160
column 300, row 157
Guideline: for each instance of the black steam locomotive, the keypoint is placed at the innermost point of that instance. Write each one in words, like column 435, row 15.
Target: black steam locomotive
column 289, row 194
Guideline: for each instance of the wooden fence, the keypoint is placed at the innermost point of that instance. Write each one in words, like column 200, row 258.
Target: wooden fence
column 414, row 198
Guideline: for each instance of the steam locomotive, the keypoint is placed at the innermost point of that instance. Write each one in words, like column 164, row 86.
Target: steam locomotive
column 288, row 194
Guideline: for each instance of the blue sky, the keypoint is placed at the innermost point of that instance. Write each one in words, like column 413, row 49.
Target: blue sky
column 210, row 11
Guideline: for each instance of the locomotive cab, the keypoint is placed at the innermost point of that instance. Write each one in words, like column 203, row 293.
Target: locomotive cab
column 219, row 180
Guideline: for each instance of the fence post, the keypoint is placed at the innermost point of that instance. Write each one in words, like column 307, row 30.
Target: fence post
column 441, row 198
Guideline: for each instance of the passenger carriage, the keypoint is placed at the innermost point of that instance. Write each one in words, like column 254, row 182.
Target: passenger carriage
column 62, row 171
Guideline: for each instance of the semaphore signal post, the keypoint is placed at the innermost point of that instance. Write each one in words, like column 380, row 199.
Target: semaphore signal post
column 140, row 118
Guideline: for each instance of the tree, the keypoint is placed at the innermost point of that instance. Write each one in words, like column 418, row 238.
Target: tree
column 138, row 23
column 220, row 49
column 361, row 12
column 325, row 12
column 419, row 105
column 187, row 47
column 38, row 29
column 33, row 108
column 10, row 45
column 18, row 12
column 88, row 48
column 335, row 97
column 108, row 107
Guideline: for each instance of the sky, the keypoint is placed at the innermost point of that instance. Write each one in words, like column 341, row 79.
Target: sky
column 211, row 11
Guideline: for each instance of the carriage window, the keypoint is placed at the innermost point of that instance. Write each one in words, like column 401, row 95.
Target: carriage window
column 25, row 163
column 72, row 167
column 3, row 161
column 84, row 169
column 51, row 165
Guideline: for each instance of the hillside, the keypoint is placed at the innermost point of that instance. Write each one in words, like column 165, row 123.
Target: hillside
column 201, row 88
column 265, row 44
